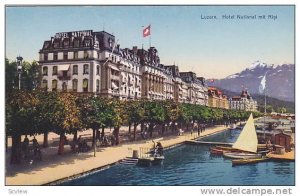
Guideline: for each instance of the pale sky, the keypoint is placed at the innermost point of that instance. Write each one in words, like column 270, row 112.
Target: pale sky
column 213, row 48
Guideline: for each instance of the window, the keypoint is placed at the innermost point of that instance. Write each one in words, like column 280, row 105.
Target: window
column 54, row 85
column 86, row 54
column 44, row 84
column 65, row 74
column 85, row 85
column 65, row 55
column 75, row 85
column 75, row 69
column 98, row 70
column 75, row 55
column 46, row 56
column 45, row 71
column 97, row 85
column 85, row 69
column 64, row 86
column 55, row 56
column 56, row 44
column 87, row 43
column 66, row 43
column 54, row 70
column 76, row 43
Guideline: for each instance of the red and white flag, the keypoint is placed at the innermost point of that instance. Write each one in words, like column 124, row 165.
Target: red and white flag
column 146, row 31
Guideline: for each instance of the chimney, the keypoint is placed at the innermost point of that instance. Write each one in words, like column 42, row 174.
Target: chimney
column 135, row 49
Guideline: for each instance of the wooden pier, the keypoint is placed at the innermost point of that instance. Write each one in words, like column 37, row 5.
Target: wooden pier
column 193, row 142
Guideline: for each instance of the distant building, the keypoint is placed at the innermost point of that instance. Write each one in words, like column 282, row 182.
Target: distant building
column 217, row 99
column 243, row 102
column 197, row 92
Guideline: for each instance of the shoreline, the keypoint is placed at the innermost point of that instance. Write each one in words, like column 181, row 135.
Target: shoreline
column 49, row 176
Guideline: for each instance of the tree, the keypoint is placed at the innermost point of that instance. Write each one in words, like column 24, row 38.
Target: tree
column 21, row 110
column 119, row 117
column 135, row 113
column 66, row 117
column 154, row 114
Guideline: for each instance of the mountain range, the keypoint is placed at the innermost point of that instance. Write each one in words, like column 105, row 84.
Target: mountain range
column 280, row 80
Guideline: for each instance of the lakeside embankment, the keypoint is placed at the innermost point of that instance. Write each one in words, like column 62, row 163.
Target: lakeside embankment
column 69, row 165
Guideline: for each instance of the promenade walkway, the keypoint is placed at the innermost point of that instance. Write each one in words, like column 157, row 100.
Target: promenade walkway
column 55, row 167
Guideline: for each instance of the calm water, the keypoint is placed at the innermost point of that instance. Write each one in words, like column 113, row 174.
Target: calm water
column 193, row 165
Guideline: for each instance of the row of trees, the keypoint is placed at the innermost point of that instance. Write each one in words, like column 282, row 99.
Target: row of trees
column 39, row 112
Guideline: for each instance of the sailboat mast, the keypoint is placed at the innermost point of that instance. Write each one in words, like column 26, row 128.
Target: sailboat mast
column 265, row 114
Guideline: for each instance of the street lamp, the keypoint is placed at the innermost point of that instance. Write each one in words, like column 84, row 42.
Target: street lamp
column 19, row 69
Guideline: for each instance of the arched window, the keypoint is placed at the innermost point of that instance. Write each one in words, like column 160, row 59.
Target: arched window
column 45, row 84
column 45, row 71
column 85, row 85
column 85, row 69
column 64, row 86
column 54, row 85
column 75, row 69
column 54, row 70
column 98, row 70
column 75, row 85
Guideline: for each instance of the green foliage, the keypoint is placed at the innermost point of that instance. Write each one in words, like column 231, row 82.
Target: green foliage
column 29, row 75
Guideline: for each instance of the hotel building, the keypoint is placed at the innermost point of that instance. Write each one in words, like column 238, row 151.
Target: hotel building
column 217, row 99
column 93, row 62
column 243, row 102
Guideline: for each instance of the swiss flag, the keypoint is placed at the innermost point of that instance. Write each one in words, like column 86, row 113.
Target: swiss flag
column 146, row 31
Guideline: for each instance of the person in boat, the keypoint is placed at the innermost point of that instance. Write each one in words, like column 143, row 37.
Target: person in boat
column 269, row 145
column 159, row 149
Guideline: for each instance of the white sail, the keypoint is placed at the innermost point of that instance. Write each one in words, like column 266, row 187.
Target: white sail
column 247, row 140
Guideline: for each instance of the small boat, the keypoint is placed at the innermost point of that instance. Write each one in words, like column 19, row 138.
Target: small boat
column 241, row 155
column 232, row 126
column 246, row 143
column 248, row 161
column 216, row 151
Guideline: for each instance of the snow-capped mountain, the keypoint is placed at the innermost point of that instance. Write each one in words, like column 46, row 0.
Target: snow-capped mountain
column 280, row 80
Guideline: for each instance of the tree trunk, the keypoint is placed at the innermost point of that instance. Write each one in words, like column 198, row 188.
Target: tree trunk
column 94, row 137
column 16, row 149
column 45, row 143
column 134, row 131
column 129, row 128
column 173, row 126
column 102, row 133
column 116, row 134
column 142, row 127
column 61, row 143
column 75, row 137
column 163, row 129
column 151, row 129
column 6, row 142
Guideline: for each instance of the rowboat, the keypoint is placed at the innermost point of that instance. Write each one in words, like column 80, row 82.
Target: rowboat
column 241, row 155
column 216, row 151
column 248, row 161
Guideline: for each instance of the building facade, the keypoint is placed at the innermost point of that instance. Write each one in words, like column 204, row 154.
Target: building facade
column 197, row 92
column 153, row 76
column 217, row 99
column 243, row 102
column 93, row 62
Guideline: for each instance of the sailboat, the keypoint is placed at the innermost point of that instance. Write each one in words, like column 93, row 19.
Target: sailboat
column 246, row 143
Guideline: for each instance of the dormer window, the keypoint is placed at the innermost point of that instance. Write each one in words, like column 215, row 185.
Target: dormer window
column 76, row 43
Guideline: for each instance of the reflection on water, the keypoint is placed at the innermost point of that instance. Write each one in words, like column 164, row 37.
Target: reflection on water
column 193, row 165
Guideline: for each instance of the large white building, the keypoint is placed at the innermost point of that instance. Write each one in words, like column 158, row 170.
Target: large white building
column 243, row 102
column 93, row 62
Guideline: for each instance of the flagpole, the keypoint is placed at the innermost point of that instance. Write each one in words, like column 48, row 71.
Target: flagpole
column 150, row 38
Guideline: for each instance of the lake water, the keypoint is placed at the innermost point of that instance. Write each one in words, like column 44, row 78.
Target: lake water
column 193, row 165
